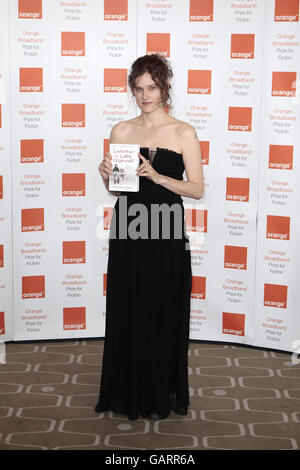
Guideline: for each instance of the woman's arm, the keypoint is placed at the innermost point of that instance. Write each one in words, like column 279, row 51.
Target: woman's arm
column 194, row 186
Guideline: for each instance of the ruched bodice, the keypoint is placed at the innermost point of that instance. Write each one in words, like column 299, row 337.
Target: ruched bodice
column 166, row 162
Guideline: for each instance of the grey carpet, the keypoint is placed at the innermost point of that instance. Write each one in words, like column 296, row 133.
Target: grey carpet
column 242, row 398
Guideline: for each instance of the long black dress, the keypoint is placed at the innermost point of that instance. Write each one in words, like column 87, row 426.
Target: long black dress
column 148, row 302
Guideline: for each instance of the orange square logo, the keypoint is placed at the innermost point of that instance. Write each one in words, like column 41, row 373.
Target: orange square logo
column 233, row 324
column 283, row 84
column 1, row 186
column 116, row 10
column 286, row 10
column 281, row 157
column 74, row 252
column 239, row 119
column 199, row 82
column 72, row 43
column 115, row 80
column 107, row 216
column 278, row 227
column 104, row 283
column 201, row 10
column 105, row 146
column 242, row 46
column 204, row 145
column 73, row 115
column 33, row 287
column 237, row 189
column 196, row 220
column 158, row 43
column 275, row 295
column 32, row 150
column 31, row 80
column 198, row 288
column 32, row 220
column 2, row 324
column 235, row 257
column 74, row 318
column 73, row 184
column 30, row 9
column 1, row 256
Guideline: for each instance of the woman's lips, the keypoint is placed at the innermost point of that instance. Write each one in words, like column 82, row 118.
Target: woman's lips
column 146, row 102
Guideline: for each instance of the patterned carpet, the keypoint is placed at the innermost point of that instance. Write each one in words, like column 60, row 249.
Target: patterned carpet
column 241, row 398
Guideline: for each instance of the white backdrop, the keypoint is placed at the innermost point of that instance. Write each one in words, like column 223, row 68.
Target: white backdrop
column 63, row 78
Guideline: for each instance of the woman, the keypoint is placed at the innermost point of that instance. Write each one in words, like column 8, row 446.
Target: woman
column 144, row 371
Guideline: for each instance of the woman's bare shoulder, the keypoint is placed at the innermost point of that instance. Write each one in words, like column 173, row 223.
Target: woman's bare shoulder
column 122, row 129
column 183, row 129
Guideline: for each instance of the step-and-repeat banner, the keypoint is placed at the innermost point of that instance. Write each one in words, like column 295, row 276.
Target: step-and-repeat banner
column 63, row 86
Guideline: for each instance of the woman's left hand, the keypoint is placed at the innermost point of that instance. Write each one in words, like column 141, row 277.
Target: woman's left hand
column 147, row 170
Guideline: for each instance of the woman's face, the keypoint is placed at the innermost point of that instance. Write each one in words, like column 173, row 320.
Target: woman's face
column 147, row 93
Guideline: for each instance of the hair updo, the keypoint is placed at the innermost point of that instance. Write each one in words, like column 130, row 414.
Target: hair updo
column 160, row 71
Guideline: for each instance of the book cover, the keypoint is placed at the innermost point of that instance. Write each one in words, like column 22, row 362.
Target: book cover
column 125, row 161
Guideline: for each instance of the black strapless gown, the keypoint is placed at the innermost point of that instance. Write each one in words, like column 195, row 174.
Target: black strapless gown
column 145, row 359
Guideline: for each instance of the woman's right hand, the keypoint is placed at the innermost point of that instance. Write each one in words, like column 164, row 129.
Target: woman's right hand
column 105, row 167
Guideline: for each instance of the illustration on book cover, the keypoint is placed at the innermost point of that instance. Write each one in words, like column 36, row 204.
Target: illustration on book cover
column 125, row 161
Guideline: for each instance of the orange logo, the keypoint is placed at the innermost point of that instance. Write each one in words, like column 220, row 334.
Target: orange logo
column 204, row 145
column 278, row 227
column 286, row 10
column 104, row 283
column 30, row 9
column 73, row 115
column 74, row 318
column 199, row 82
column 158, row 43
column 275, row 295
column 32, row 150
column 201, row 11
column 196, row 220
column 73, row 252
column 73, row 184
column 1, row 256
column 237, row 189
column 239, row 119
column 2, row 324
column 32, row 220
column 105, row 146
column 282, row 83
column 281, row 157
column 115, row 80
column 31, row 80
column 242, row 46
column 233, row 324
column 107, row 216
column 1, row 186
column 72, row 43
column 116, row 10
column 235, row 257
column 198, row 287
column 33, row 287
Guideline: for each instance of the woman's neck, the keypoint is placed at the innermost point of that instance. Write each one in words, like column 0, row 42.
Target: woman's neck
column 154, row 119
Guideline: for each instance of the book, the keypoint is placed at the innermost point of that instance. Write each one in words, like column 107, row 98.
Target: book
column 125, row 161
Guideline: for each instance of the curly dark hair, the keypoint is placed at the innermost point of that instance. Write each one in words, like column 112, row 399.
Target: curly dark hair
column 160, row 71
